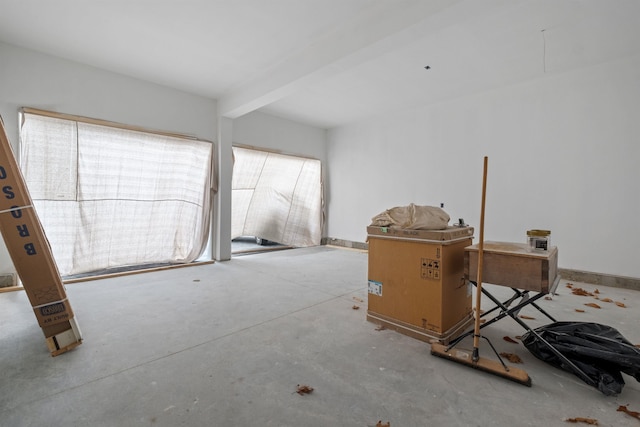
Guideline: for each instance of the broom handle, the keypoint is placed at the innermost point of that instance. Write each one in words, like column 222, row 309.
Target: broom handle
column 476, row 331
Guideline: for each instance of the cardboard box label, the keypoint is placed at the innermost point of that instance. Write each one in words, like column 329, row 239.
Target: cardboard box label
column 53, row 313
column 430, row 269
column 375, row 288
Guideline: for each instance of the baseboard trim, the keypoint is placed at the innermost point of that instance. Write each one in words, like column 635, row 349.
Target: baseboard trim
column 343, row 243
column 600, row 279
column 566, row 274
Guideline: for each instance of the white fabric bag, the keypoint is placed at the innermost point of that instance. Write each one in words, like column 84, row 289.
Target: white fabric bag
column 412, row 217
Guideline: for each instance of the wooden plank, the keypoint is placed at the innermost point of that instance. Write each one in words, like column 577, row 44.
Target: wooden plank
column 11, row 289
column 494, row 367
column 99, row 122
column 139, row 271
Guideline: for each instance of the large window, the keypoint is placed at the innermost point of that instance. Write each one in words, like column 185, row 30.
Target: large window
column 277, row 197
column 111, row 196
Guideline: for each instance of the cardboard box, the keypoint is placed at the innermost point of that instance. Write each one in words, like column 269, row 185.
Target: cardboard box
column 31, row 255
column 416, row 284
column 514, row 265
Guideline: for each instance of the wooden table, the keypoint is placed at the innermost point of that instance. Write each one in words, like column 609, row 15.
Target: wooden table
column 530, row 274
column 514, row 265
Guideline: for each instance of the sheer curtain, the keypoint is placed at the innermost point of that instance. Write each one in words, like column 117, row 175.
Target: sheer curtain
column 277, row 197
column 111, row 197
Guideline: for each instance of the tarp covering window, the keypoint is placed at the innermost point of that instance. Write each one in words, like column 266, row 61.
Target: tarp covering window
column 277, row 197
column 110, row 197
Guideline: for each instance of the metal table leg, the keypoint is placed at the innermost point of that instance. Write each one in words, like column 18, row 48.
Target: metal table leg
column 510, row 312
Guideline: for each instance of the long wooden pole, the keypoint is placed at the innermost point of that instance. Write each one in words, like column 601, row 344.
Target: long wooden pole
column 476, row 333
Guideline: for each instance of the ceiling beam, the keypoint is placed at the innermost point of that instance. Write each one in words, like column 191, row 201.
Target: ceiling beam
column 380, row 29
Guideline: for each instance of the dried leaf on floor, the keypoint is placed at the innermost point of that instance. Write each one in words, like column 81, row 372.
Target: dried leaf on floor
column 381, row 328
column 519, row 337
column 593, row 305
column 358, row 299
column 509, row 339
column 623, row 408
column 483, row 320
column 524, row 316
column 581, row 292
column 569, row 285
column 620, row 304
column 606, row 300
column 596, row 291
column 356, row 307
column 379, row 424
column 579, row 310
column 548, row 298
column 511, row 357
column 582, row 420
column 304, row 389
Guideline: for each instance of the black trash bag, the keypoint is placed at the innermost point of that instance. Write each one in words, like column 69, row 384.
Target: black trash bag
column 599, row 352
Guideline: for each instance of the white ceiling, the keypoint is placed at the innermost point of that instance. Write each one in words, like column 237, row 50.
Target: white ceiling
column 327, row 62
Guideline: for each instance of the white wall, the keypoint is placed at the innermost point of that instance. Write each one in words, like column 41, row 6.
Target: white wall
column 562, row 150
column 269, row 132
column 30, row 79
column 563, row 155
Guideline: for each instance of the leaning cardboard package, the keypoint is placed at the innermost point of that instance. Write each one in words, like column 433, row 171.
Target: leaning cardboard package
column 31, row 255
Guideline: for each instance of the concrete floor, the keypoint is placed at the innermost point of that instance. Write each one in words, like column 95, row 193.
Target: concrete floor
column 226, row 344
column 247, row 245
